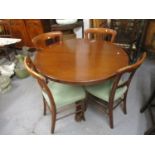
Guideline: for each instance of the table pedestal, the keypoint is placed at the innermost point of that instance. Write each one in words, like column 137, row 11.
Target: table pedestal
column 79, row 116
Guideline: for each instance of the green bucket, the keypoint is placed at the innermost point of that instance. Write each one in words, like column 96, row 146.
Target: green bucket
column 21, row 73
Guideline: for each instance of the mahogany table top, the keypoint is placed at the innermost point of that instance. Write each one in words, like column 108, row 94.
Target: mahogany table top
column 80, row 61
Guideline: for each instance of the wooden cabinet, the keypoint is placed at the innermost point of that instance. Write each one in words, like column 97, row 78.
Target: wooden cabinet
column 150, row 35
column 34, row 27
column 26, row 29
column 19, row 30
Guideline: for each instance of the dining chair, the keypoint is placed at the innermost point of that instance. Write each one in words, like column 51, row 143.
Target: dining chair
column 57, row 95
column 46, row 39
column 100, row 34
column 112, row 92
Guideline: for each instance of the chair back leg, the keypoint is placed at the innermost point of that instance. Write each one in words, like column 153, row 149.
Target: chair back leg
column 44, row 104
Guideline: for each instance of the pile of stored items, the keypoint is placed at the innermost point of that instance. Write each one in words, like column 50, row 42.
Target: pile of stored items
column 8, row 69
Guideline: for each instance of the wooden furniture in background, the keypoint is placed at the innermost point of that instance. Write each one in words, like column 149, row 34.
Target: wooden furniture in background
column 56, row 95
column 149, row 44
column 130, row 35
column 100, row 34
column 46, row 39
column 126, row 30
column 150, row 32
column 82, row 62
column 67, row 29
column 5, row 30
column 112, row 90
column 98, row 23
column 26, row 29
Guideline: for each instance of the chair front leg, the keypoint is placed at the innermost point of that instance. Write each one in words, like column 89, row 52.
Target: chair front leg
column 124, row 104
column 111, row 115
column 111, row 119
column 53, row 121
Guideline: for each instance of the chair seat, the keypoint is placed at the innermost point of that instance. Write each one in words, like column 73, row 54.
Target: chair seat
column 102, row 91
column 64, row 94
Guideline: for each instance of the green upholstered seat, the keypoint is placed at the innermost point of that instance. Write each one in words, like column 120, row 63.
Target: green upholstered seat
column 64, row 94
column 102, row 91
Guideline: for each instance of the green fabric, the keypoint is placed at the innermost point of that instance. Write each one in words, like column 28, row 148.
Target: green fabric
column 64, row 94
column 102, row 91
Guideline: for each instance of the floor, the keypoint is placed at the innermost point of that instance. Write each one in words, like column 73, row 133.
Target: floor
column 21, row 110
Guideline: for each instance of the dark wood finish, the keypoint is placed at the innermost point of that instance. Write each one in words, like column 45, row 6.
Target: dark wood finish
column 46, row 39
column 26, row 29
column 149, row 42
column 43, row 84
column 109, row 106
column 127, row 30
column 100, row 33
column 34, row 27
column 130, row 35
column 5, row 30
column 150, row 33
column 19, row 31
column 80, row 61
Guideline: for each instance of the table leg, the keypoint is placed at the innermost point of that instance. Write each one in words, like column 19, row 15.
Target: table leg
column 79, row 116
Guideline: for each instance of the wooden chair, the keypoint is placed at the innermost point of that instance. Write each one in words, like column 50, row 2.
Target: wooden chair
column 57, row 95
column 114, row 91
column 100, row 33
column 5, row 29
column 43, row 40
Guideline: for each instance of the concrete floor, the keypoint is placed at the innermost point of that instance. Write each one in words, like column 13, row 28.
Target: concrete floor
column 21, row 110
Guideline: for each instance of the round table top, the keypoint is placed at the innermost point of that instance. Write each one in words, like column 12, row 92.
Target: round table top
column 80, row 61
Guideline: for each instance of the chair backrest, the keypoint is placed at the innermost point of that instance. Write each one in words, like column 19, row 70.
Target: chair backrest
column 100, row 33
column 5, row 29
column 45, row 39
column 41, row 80
column 131, row 69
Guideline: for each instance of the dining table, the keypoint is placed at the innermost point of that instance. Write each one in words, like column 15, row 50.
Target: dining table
column 80, row 61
